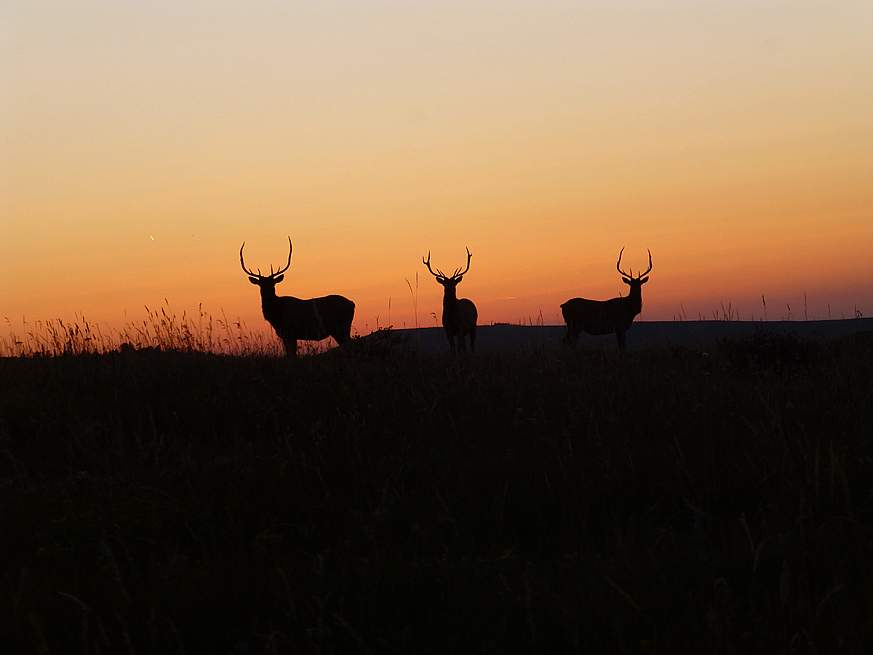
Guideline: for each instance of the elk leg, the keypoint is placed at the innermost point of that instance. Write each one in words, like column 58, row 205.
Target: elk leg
column 341, row 337
column 346, row 332
column 619, row 334
column 473, row 340
column 572, row 335
column 290, row 346
column 451, row 338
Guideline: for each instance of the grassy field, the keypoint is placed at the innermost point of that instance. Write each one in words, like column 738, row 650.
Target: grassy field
column 541, row 501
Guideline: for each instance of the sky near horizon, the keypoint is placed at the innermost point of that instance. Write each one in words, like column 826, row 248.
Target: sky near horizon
column 142, row 142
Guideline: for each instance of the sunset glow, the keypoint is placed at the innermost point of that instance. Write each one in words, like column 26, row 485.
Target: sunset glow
column 142, row 143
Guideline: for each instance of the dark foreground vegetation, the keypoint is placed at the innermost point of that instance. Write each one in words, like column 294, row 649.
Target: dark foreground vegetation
column 536, row 502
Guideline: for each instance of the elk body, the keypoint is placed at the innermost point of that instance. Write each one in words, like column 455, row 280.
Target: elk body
column 459, row 314
column 294, row 318
column 607, row 316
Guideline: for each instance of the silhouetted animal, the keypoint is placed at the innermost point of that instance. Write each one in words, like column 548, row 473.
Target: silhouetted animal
column 606, row 316
column 294, row 318
column 459, row 315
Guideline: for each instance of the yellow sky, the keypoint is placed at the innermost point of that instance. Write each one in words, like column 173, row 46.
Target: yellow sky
column 143, row 142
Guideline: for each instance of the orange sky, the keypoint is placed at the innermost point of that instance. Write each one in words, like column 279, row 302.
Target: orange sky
column 142, row 144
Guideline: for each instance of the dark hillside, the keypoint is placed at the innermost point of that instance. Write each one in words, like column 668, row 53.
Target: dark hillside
column 643, row 334
column 539, row 501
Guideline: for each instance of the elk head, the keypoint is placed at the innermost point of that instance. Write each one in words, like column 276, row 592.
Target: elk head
column 449, row 282
column 634, row 282
column 267, row 283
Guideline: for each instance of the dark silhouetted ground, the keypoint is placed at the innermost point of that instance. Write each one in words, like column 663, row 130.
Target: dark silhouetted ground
column 375, row 499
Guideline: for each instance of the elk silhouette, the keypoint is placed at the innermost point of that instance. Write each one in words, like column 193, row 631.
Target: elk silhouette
column 607, row 316
column 459, row 314
column 294, row 318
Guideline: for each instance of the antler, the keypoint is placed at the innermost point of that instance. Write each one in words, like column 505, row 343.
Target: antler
column 426, row 262
column 630, row 275
column 288, row 263
column 646, row 272
column 618, row 264
column 243, row 264
column 458, row 272
column 272, row 274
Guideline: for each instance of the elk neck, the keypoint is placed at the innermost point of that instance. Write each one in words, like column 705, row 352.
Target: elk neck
column 634, row 299
column 268, row 299
column 450, row 297
column 450, row 305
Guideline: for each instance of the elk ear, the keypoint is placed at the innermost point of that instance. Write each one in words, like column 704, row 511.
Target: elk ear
column 644, row 280
column 253, row 280
column 626, row 280
column 279, row 279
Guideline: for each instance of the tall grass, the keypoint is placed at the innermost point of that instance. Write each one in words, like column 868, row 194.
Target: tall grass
column 160, row 328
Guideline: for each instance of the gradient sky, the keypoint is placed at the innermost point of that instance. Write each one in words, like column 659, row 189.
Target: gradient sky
column 142, row 142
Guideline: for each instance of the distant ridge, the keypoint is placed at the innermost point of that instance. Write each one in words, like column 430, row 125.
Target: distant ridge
column 501, row 337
